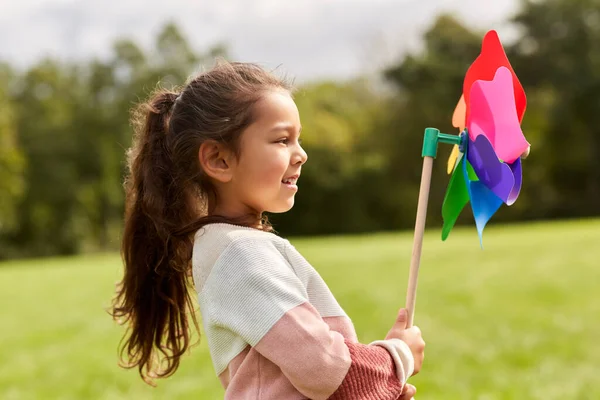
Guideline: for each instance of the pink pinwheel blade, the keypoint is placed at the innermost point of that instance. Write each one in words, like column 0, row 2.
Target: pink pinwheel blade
column 493, row 114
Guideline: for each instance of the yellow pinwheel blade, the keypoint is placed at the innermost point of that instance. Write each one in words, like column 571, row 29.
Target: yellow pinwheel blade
column 458, row 121
column 452, row 159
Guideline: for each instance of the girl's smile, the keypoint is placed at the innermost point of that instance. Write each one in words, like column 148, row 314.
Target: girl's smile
column 291, row 181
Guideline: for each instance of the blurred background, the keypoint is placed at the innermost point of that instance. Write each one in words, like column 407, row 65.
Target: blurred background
column 370, row 76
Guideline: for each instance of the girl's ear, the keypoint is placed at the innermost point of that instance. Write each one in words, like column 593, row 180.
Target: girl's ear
column 216, row 160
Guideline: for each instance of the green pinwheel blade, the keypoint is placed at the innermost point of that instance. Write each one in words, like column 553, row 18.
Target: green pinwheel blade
column 457, row 196
column 471, row 172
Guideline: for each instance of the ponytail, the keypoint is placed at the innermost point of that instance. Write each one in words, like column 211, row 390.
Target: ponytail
column 153, row 296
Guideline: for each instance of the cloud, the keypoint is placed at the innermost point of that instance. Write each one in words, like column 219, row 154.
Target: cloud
column 308, row 38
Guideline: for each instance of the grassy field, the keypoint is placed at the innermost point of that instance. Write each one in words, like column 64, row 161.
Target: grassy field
column 518, row 320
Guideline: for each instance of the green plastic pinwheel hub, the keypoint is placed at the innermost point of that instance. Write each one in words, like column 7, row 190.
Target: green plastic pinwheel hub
column 431, row 139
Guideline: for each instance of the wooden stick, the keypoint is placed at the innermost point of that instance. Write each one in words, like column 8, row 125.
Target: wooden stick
column 411, row 295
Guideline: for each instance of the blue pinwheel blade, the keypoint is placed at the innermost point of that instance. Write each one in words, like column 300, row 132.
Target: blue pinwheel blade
column 484, row 202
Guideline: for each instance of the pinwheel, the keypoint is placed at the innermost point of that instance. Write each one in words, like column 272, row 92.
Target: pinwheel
column 488, row 172
column 485, row 164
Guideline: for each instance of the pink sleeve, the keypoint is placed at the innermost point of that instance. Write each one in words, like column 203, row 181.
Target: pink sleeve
column 371, row 375
column 321, row 364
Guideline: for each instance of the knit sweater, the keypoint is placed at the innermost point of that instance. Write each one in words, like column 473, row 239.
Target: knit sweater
column 275, row 330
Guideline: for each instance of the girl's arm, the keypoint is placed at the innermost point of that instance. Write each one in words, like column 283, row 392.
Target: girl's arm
column 254, row 293
column 321, row 364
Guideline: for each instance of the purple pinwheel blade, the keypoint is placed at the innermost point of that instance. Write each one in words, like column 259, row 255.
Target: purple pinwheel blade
column 517, row 171
column 492, row 173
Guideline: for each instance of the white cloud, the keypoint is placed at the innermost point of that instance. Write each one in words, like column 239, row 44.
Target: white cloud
column 309, row 38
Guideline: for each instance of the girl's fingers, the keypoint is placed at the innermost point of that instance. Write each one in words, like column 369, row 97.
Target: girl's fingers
column 408, row 392
column 402, row 318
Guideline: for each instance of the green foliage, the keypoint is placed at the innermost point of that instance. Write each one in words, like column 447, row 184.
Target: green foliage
column 516, row 321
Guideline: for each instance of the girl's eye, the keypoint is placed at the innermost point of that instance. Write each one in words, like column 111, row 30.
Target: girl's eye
column 287, row 140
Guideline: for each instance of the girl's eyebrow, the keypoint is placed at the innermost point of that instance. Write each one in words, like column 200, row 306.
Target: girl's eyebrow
column 285, row 126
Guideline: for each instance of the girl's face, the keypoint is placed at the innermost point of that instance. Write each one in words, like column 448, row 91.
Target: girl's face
column 266, row 174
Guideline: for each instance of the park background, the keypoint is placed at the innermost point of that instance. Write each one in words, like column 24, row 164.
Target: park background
column 516, row 320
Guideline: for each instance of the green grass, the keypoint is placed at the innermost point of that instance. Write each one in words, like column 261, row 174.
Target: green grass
column 518, row 320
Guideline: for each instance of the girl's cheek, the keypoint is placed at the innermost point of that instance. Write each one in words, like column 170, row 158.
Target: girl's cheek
column 269, row 172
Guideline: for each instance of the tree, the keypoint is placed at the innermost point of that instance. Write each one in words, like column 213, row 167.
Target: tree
column 12, row 162
column 45, row 107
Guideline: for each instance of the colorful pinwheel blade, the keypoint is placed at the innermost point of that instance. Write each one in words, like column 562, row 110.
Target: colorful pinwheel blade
column 492, row 173
column 456, row 198
column 484, row 68
column 459, row 118
column 493, row 114
column 484, row 203
column 518, row 174
column 453, row 159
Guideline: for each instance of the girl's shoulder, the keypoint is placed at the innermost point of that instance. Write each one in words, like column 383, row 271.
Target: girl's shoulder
column 214, row 238
column 211, row 241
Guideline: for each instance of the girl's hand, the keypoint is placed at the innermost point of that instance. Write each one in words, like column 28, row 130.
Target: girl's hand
column 408, row 392
column 411, row 336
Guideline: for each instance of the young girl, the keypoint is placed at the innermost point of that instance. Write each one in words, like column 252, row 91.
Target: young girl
column 205, row 164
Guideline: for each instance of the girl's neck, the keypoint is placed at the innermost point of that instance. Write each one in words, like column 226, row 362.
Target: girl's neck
column 235, row 213
column 250, row 220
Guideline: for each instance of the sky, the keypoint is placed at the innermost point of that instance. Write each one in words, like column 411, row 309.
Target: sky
column 309, row 39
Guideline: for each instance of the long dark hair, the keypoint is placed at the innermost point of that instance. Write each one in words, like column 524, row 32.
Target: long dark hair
column 167, row 200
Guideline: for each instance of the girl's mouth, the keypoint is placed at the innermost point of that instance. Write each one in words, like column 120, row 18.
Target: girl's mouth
column 291, row 181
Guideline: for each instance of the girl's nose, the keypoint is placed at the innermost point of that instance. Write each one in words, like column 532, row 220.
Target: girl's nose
column 300, row 156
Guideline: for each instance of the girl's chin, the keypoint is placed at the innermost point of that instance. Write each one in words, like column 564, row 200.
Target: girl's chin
column 283, row 207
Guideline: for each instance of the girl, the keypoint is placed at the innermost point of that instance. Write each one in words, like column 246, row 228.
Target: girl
column 205, row 164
